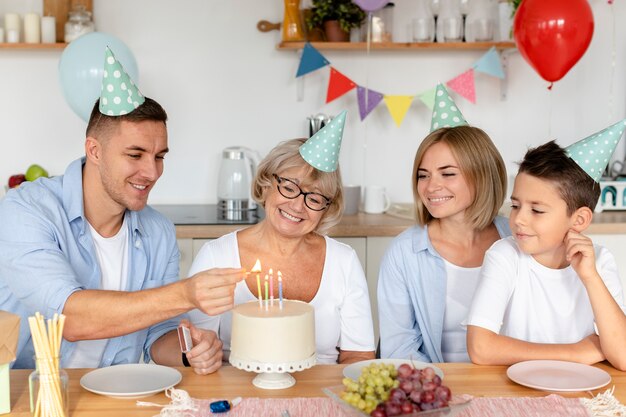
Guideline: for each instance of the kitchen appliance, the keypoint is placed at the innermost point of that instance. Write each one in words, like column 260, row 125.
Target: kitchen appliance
column 234, row 186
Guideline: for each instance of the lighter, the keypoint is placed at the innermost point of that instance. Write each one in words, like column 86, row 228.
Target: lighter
column 223, row 406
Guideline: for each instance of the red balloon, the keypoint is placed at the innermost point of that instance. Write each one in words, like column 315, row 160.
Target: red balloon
column 552, row 35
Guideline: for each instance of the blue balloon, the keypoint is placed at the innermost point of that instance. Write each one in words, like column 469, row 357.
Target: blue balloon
column 81, row 67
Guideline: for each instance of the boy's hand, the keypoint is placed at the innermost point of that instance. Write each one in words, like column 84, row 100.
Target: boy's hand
column 579, row 252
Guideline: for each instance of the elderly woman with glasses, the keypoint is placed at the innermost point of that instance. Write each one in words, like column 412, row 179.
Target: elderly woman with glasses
column 301, row 204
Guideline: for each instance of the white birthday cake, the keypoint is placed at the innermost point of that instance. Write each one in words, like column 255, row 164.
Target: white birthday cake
column 273, row 339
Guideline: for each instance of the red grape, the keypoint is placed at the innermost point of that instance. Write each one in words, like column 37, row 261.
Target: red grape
column 404, row 370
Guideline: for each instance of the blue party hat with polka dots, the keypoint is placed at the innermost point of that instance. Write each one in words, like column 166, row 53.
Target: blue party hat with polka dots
column 592, row 154
column 445, row 111
column 321, row 151
column 119, row 94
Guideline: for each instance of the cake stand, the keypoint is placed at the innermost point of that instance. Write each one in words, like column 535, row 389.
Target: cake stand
column 272, row 375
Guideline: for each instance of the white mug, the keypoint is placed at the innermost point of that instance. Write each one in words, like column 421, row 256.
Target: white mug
column 351, row 199
column 375, row 200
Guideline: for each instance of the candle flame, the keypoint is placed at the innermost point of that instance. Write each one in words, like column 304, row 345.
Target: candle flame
column 271, row 272
column 280, row 274
column 266, row 277
column 256, row 267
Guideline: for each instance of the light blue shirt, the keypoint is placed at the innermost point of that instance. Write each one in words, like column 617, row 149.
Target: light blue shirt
column 412, row 296
column 47, row 253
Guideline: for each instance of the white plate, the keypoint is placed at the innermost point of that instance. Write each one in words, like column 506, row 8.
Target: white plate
column 558, row 375
column 130, row 381
column 354, row 369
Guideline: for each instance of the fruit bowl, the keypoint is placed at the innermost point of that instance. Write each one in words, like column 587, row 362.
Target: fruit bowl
column 456, row 405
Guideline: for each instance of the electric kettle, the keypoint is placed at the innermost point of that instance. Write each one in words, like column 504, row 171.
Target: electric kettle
column 234, row 187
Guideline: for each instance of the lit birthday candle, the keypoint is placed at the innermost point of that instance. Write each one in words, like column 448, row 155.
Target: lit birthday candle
column 280, row 289
column 266, row 289
column 257, row 268
column 271, row 287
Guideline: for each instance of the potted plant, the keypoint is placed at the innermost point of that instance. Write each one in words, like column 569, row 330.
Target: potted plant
column 335, row 17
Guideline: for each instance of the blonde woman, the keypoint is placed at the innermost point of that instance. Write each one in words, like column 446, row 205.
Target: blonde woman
column 430, row 272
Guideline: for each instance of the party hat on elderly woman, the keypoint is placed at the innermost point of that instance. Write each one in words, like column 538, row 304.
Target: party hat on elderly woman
column 119, row 94
column 321, row 151
column 592, row 154
column 445, row 111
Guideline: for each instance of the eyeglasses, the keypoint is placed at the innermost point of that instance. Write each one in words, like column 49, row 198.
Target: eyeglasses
column 291, row 190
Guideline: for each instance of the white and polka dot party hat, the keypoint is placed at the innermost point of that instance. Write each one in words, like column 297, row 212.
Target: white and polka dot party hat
column 119, row 94
column 445, row 111
column 321, row 151
column 592, row 154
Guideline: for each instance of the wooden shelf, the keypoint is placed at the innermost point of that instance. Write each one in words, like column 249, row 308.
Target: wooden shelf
column 397, row 46
column 22, row 45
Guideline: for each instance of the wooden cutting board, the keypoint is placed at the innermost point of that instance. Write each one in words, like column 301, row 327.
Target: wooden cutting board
column 60, row 9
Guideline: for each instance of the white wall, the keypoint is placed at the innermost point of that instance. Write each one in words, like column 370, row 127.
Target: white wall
column 224, row 83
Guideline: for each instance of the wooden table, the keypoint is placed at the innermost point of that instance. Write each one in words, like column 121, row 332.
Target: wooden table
column 229, row 382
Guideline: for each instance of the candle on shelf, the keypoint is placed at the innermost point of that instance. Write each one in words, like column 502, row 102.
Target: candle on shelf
column 280, row 289
column 1, row 35
column 271, row 287
column 32, row 28
column 257, row 268
column 48, row 29
column 266, row 290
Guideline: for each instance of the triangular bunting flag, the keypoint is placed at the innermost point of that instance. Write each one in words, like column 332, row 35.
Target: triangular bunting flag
column 428, row 98
column 311, row 60
column 490, row 64
column 367, row 104
column 338, row 85
column 398, row 106
column 464, row 85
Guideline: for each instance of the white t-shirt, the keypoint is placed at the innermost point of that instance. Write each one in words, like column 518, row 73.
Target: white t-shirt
column 113, row 259
column 520, row 298
column 342, row 309
column 460, row 287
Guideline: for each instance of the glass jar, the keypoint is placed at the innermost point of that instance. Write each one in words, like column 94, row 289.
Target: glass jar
column 480, row 24
column 423, row 25
column 79, row 23
column 49, row 389
column 381, row 24
column 449, row 22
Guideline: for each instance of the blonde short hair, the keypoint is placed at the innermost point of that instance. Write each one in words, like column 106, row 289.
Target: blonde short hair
column 285, row 156
column 480, row 163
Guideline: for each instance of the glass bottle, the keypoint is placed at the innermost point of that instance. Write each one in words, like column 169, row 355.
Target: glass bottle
column 423, row 24
column 292, row 24
column 79, row 23
column 481, row 22
column 49, row 389
column 449, row 22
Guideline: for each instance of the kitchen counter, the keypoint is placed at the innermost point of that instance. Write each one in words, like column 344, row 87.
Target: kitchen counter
column 189, row 224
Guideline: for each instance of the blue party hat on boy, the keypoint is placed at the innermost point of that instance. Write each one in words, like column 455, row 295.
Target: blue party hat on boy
column 321, row 151
column 119, row 94
column 592, row 154
column 445, row 111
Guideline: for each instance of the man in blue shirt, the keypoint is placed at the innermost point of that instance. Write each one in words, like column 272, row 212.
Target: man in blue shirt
column 86, row 244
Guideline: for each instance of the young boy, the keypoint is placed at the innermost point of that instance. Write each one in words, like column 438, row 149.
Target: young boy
column 544, row 290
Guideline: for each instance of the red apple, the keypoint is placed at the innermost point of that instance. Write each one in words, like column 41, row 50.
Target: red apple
column 16, row 180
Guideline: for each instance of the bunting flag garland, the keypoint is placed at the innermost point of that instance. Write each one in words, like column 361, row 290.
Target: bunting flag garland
column 338, row 85
column 311, row 60
column 428, row 98
column 398, row 105
column 490, row 64
column 367, row 104
column 464, row 85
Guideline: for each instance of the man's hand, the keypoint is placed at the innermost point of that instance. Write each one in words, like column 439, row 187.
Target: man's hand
column 206, row 355
column 581, row 255
column 213, row 291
